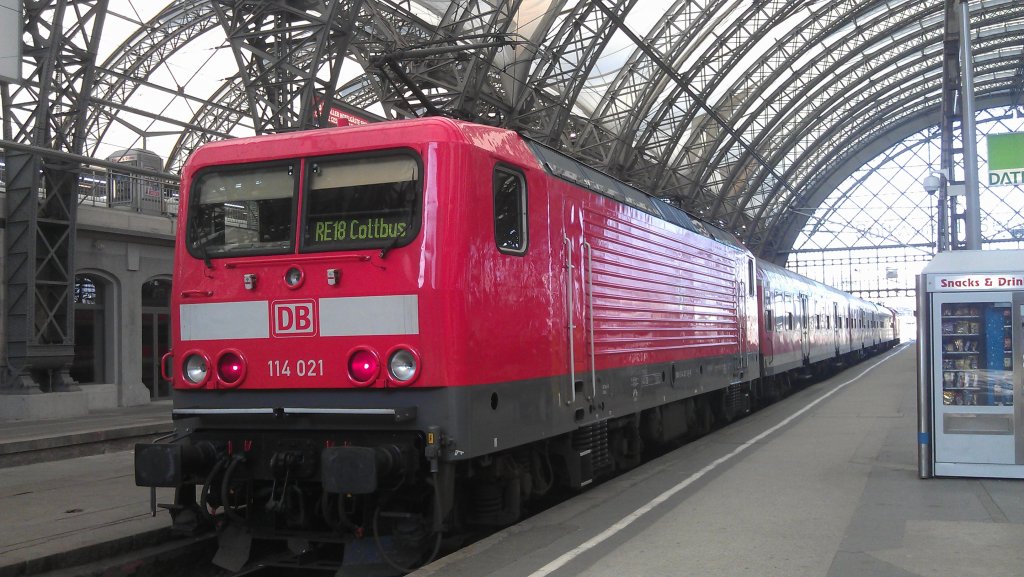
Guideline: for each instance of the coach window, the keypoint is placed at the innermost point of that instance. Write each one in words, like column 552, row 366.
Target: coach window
column 509, row 211
column 780, row 312
column 790, row 308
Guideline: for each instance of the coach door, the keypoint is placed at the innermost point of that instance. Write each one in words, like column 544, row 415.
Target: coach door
column 805, row 328
column 835, row 325
column 741, row 314
column 579, row 304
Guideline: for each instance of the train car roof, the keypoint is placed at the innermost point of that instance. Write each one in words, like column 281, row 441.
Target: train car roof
column 774, row 269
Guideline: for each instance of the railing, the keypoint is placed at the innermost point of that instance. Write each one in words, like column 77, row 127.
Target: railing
column 121, row 188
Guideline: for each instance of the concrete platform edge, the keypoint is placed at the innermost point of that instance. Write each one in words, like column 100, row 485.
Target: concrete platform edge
column 87, row 554
column 81, row 438
column 44, row 406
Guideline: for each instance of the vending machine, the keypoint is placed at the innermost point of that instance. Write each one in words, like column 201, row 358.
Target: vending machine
column 970, row 374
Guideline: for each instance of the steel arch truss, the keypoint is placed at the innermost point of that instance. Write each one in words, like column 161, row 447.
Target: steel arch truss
column 738, row 111
column 881, row 215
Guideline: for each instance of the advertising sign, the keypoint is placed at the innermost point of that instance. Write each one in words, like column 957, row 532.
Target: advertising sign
column 336, row 116
column 1006, row 159
column 975, row 282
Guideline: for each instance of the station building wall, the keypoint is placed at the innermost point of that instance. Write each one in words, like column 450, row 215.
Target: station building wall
column 123, row 264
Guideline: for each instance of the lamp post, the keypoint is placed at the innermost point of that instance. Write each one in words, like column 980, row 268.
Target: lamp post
column 936, row 182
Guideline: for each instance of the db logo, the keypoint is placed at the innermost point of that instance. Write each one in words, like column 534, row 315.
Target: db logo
column 293, row 318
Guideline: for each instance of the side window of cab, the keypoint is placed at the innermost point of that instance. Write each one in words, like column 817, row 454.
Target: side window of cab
column 510, row 223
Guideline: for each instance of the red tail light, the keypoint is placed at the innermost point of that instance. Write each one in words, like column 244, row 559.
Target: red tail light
column 363, row 366
column 230, row 368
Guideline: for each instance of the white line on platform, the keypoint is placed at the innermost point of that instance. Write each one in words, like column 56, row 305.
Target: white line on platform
column 628, row 519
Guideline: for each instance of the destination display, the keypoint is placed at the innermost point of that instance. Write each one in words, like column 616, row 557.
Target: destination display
column 354, row 229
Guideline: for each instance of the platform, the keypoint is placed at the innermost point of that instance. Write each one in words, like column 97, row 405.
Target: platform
column 822, row 483
column 64, row 509
column 99, row 431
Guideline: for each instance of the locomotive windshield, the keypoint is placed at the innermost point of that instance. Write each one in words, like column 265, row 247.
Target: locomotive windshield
column 362, row 202
column 349, row 203
column 242, row 211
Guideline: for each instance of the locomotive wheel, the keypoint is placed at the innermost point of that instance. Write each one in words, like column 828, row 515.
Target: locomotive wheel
column 705, row 416
column 785, row 385
column 403, row 537
column 725, row 409
column 627, row 447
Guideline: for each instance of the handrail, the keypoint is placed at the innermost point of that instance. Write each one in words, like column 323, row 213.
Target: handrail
column 590, row 305
column 570, row 282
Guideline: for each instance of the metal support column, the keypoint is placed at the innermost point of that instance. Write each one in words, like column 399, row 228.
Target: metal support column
column 23, row 182
column 47, row 110
column 972, row 224
column 958, row 106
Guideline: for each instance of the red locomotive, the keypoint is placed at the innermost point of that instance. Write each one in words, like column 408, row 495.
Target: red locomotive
column 405, row 328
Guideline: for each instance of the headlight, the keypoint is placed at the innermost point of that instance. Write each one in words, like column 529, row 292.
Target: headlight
column 294, row 277
column 403, row 366
column 196, row 369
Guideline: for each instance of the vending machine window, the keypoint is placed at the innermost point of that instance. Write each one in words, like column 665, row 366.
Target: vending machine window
column 977, row 364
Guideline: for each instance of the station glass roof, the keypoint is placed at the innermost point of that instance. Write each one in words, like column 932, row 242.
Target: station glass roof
column 748, row 113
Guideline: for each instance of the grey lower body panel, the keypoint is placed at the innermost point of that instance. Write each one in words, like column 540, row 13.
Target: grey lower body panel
column 475, row 420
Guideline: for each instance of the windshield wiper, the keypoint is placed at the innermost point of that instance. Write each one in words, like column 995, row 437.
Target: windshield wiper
column 206, row 256
column 391, row 245
column 407, row 221
column 195, row 232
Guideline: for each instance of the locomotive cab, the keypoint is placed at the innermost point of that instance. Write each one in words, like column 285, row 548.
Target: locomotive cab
column 343, row 288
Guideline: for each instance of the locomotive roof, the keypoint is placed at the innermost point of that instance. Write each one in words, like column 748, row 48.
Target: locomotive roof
column 303, row 143
column 568, row 168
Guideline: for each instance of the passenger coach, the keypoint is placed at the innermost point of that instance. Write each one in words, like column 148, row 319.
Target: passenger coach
column 808, row 326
